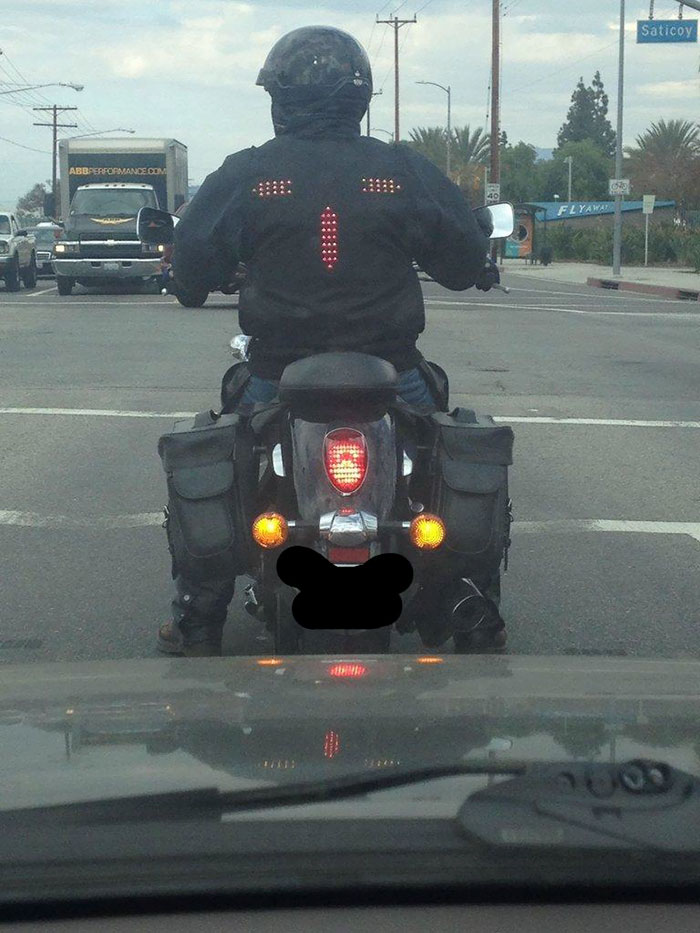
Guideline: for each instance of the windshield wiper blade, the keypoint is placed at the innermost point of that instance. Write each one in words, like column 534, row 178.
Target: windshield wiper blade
column 211, row 803
column 638, row 805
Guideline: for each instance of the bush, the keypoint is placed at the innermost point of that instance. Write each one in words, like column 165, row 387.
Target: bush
column 667, row 244
column 688, row 244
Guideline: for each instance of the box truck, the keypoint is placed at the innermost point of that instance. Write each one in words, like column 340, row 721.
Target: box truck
column 104, row 184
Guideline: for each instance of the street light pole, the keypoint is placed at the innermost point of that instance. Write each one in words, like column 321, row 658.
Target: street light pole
column 617, row 229
column 115, row 129
column 448, row 91
column 34, row 87
column 570, row 160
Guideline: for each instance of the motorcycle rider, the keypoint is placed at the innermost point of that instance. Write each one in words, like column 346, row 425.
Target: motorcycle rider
column 328, row 223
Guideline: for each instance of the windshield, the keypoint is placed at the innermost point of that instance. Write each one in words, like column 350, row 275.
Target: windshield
column 439, row 501
column 45, row 237
column 105, row 201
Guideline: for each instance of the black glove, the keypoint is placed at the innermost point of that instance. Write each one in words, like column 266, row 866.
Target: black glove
column 488, row 277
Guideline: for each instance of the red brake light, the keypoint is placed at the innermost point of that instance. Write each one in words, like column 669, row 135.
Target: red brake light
column 345, row 457
column 346, row 669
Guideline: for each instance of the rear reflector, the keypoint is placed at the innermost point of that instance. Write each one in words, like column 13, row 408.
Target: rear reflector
column 348, row 555
column 345, row 458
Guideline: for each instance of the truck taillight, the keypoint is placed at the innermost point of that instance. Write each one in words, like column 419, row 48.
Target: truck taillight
column 345, row 458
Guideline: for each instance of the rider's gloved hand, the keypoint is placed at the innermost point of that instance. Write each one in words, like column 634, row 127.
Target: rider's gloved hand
column 488, row 277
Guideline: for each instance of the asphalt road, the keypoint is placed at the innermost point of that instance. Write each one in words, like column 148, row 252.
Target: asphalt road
column 604, row 393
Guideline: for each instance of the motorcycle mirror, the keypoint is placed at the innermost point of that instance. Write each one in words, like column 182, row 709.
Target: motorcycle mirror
column 157, row 228
column 503, row 220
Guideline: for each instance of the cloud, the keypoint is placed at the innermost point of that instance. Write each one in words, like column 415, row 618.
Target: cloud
column 672, row 89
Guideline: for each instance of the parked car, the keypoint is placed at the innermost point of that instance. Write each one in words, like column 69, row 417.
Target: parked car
column 46, row 235
column 17, row 254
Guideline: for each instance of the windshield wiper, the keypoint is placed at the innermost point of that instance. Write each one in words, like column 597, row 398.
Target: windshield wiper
column 639, row 805
column 211, row 803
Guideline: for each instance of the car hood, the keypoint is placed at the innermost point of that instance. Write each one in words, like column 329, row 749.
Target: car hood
column 82, row 731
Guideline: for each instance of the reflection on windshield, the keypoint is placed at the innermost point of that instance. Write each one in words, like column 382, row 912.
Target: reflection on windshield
column 105, row 201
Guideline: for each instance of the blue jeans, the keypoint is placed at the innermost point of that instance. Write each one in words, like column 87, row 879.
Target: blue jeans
column 413, row 389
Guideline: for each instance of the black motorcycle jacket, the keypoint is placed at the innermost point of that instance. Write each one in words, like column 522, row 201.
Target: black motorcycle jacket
column 328, row 223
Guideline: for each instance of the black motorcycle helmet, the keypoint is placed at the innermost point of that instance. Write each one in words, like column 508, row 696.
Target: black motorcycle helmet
column 316, row 72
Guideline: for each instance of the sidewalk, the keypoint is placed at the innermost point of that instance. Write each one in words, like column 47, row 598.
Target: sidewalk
column 680, row 283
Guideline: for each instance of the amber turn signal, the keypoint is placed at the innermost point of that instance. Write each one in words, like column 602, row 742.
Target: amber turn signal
column 427, row 532
column 270, row 530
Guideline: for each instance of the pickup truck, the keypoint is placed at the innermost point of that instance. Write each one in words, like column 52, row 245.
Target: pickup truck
column 17, row 254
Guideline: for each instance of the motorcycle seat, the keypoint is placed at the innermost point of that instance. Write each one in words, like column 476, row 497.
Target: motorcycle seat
column 342, row 384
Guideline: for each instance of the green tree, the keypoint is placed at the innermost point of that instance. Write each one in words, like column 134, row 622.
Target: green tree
column 666, row 162
column 31, row 204
column 588, row 117
column 520, row 173
column 590, row 172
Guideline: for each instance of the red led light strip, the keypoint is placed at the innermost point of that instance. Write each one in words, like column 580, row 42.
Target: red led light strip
column 329, row 238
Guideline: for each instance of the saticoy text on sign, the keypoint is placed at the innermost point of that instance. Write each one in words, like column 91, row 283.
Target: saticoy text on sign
column 667, row 30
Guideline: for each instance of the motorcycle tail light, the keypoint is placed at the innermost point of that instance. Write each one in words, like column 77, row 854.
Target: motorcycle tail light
column 427, row 532
column 270, row 530
column 345, row 458
column 347, row 670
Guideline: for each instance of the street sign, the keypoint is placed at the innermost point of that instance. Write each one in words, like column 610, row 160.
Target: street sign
column 618, row 186
column 648, row 203
column 493, row 192
column 667, row 30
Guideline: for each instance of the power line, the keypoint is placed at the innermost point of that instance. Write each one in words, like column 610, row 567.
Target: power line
column 21, row 146
column 568, row 67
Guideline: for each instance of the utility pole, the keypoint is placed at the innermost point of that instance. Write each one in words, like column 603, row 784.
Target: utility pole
column 495, row 169
column 617, row 228
column 55, row 126
column 396, row 24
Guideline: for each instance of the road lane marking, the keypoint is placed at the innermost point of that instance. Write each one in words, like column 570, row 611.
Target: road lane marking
column 598, row 422
column 486, row 305
column 506, row 419
column 97, row 412
column 22, row 519
column 616, row 526
column 40, row 292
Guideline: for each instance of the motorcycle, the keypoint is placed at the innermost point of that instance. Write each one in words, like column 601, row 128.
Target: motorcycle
column 339, row 472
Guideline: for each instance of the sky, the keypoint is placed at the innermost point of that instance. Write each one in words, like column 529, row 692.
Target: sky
column 187, row 69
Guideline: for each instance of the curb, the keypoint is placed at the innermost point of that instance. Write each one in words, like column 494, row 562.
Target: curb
column 664, row 291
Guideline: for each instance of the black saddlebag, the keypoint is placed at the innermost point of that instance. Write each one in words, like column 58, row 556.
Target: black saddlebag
column 209, row 463
column 470, row 490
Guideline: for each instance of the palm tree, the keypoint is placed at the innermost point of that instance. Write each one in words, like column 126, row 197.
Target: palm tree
column 666, row 162
column 667, row 140
column 430, row 141
column 472, row 146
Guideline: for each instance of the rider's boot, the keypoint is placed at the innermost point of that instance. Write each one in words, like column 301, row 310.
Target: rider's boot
column 478, row 625
column 199, row 615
